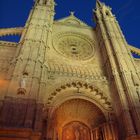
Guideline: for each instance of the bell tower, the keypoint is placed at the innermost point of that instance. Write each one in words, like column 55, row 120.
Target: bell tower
column 120, row 68
column 31, row 53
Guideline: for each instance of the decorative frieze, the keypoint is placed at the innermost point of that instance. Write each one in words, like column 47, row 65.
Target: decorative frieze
column 75, row 71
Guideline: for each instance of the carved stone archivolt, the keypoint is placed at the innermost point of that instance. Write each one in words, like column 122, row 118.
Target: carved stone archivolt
column 80, row 90
column 74, row 45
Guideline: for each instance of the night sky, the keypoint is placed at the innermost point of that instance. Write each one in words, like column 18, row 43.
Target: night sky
column 14, row 13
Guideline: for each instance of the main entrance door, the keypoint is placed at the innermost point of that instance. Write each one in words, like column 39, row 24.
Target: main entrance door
column 75, row 119
column 76, row 131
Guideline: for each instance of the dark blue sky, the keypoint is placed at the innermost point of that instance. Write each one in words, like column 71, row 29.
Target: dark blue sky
column 14, row 13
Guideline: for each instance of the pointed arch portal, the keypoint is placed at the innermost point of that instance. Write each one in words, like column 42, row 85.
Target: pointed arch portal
column 79, row 119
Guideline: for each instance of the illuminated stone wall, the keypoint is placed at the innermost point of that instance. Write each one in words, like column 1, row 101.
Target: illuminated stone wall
column 64, row 79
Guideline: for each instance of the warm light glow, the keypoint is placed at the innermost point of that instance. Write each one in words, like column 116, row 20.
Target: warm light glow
column 76, row 131
column 3, row 83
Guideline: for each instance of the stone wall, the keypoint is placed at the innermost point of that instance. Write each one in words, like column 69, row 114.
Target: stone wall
column 21, row 113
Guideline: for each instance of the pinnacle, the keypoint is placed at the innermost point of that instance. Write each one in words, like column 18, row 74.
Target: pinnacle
column 98, row 3
column 72, row 13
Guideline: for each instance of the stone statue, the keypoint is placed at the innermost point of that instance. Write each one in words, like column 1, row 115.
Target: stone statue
column 22, row 83
column 77, row 135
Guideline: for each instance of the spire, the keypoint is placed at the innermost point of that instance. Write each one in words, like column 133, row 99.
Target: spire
column 43, row 2
column 98, row 4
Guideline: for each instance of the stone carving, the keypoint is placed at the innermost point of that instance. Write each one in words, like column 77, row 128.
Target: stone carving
column 76, row 131
column 93, row 91
column 74, row 45
column 76, row 71
column 22, row 85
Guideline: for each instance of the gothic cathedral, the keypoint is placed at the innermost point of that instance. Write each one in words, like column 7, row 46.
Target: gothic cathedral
column 65, row 80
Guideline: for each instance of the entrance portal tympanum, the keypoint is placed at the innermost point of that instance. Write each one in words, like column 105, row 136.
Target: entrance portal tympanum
column 74, row 120
column 79, row 119
column 76, row 131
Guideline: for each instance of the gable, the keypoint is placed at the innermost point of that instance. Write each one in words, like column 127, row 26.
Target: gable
column 72, row 21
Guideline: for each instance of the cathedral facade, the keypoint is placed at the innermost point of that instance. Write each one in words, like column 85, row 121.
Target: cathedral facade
column 65, row 80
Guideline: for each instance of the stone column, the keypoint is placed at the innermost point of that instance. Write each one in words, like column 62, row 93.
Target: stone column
column 96, row 134
column 109, row 131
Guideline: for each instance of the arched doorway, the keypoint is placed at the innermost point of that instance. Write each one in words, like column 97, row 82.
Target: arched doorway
column 75, row 119
column 76, row 105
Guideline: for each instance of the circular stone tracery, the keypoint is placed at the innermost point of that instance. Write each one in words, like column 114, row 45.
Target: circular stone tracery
column 73, row 45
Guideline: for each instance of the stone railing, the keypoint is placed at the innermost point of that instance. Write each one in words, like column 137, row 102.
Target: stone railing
column 11, row 31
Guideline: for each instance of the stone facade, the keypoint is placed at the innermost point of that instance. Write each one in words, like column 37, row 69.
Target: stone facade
column 65, row 80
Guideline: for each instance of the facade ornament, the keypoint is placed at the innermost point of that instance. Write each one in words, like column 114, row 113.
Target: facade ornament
column 22, row 85
column 72, row 13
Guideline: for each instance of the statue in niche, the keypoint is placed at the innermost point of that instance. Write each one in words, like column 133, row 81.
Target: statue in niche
column 22, row 85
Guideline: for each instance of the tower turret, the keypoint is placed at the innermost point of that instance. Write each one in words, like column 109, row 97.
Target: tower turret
column 123, row 72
